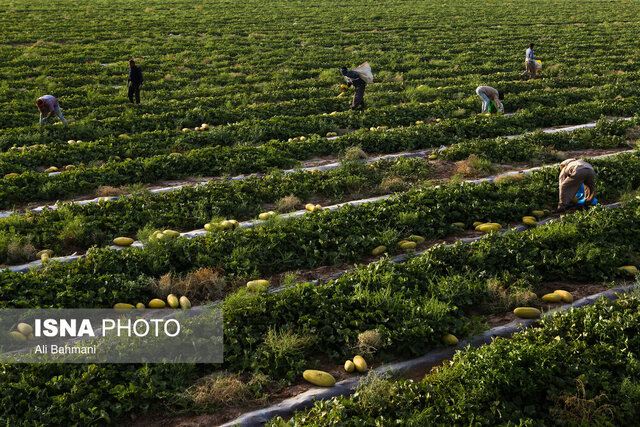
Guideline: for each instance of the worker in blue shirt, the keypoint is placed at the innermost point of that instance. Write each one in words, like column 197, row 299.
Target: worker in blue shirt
column 353, row 78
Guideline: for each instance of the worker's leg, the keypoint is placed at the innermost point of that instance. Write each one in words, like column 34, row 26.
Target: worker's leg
column 531, row 69
column 526, row 70
column 485, row 100
column 130, row 93
column 59, row 114
column 358, row 97
column 137, row 92
column 568, row 189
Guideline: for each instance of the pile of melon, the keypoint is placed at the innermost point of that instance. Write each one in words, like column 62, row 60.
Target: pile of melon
column 172, row 302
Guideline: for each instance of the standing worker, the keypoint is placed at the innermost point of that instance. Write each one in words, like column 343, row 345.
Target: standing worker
column 489, row 95
column 48, row 106
column 135, row 81
column 574, row 173
column 353, row 78
column 530, row 63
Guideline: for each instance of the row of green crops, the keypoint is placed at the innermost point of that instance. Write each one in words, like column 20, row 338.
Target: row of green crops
column 313, row 240
column 412, row 305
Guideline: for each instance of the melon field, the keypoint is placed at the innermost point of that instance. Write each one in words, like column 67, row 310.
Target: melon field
column 339, row 241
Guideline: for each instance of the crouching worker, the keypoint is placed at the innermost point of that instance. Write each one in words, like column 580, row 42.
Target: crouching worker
column 353, row 78
column 573, row 174
column 48, row 106
column 489, row 95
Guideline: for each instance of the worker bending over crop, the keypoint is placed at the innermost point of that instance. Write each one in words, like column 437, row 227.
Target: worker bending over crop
column 574, row 173
column 531, row 67
column 48, row 106
column 489, row 95
column 135, row 81
column 353, row 78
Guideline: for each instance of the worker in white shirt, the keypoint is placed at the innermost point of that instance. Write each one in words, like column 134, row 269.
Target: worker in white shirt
column 530, row 64
column 488, row 95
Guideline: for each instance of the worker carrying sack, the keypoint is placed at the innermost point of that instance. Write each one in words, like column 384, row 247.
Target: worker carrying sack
column 364, row 71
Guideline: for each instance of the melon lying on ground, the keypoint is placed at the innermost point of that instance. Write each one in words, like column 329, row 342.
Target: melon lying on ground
column 630, row 269
column 349, row 366
column 123, row 241
column 405, row 245
column 379, row 250
column 450, row 339
column 552, row 298
column 172, row 300
column 185, row 304
column 319, row 378
column 360, row 363
column 527, row 312
column 564, row 295
column 258, row 285
column 25, row 329
column 267, row 215
column 157, row 303
column 123, row 306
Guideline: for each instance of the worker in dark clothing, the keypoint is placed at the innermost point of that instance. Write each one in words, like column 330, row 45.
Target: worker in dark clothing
column 135, row 81
column 353, row 78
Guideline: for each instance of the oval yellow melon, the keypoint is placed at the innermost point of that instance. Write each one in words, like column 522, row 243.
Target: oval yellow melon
column 477, row 223
column 25, row 329
column 449, row 339
column 11, row 175
column 319, row 378
column 258, row 285
column 123, row 241
column 266, row 215
column 415, row 238
column 17, row 336
column 123, row 306
column 630, row 269
column 530, row 221
column 48, row 252
column 185, row 304
column 408, row 245
column 566, row 296
column 51, row 169
column 537, row 214
column 172, row 300
column 458, row 224
column 310, row 207
column 377, row 251
column 527, row 312
column 171, row 233
column 140, row 306
column 360, row 363
column 552, row 298
column 349, row 366
column 157, row 303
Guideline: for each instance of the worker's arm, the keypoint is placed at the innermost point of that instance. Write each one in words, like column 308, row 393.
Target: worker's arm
column 51, row 113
